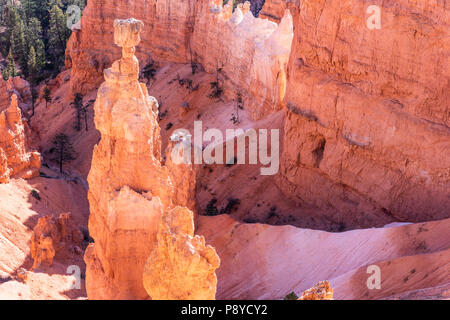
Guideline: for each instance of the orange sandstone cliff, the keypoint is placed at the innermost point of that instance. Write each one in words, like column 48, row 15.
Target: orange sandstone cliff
column 367, row 111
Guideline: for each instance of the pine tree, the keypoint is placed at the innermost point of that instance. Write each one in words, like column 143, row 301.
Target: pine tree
column 19, row 45
column 31, row 63
column 34, row 39
column 41, row 12
column 3, row 11
column 12, row 21
column 58, row 33
column 10, row 70
column 62, row 151
column 28, row 8
column 47, row 97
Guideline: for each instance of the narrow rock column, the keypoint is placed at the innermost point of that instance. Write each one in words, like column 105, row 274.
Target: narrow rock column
column 129, row 190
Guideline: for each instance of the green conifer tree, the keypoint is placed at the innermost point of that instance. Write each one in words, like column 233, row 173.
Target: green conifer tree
column 10, row 70
column 31, row 63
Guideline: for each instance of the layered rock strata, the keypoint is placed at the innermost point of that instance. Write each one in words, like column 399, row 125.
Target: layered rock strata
column 367, row 120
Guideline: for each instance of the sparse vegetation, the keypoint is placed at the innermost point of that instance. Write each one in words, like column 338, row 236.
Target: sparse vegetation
column 194, row 64
column 47, row 96
column 239, row 105
column 35, row 194
column 272, row 212
column 291, row 296
column 211, row 209
column 149, row 72
column 163, row 114
column 186, row 82
column 216, row 86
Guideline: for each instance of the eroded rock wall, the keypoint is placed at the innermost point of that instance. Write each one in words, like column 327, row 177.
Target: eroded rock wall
column 89, row 49
column 253, row 53
column 367, row 111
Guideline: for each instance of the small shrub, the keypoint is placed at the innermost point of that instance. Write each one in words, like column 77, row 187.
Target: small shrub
column 163, row 114
column 272, row 212
column 35, row 194
column 149, row 72
column 217, row 90
column 291, row 296
column 211, row 209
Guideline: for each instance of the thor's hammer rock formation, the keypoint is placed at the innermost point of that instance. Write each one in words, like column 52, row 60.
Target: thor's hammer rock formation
column 129, row 189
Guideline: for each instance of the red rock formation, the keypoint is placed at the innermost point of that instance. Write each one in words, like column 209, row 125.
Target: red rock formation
column 15, row 159
column 129, row 189
column 180, row 266
column 52, row 236
column 252, row 53
column 89, row 49
column 321, row 291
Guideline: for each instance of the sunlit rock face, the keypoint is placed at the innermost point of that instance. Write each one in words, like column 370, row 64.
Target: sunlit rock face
column 366, row 130
column 129, row 189
column 53, row 236
column 252, row 53
column 321, row 291
column 16, row 161
column 181, row 266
